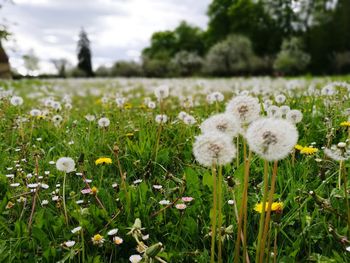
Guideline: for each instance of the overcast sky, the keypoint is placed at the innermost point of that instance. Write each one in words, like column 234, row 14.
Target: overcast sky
column 118, row 29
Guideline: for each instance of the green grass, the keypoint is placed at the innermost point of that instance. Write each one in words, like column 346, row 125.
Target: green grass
column 303, row 228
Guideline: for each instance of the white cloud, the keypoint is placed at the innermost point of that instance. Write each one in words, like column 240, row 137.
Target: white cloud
column 118, row 29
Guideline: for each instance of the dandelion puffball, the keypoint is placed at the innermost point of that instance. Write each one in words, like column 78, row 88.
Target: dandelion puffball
column 65, row 164
column 161, row 92
column 294, row 116
column 223, row 123
column 244, row 108
column 272, row 139
column 161, row 118
column 16, row 101
column 103, row 122
column 213, row 148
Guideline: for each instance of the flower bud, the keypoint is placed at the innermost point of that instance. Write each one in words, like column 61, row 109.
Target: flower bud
column 153, row 250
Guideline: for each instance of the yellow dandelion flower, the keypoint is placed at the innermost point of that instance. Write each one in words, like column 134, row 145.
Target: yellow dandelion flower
column 345, row 124
column 142, row 106
column 127, row 106
column 308, row 150
column 103, row 160
column 275, row 207
column 129, row 134
column 94, row 190
column 298, row 147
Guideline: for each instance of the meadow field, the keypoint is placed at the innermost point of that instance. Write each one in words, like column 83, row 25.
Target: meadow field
column 175, row 170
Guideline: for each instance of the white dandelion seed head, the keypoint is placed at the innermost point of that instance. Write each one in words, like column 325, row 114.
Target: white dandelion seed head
column 182, row 115
column 161, row 92
column 294, row 116
column 267, row 103
column 213, row 148
column 68, row 106
column 338, row 152
column 65, row 164
column 35, row 112
column 120, row 101
column 280, row 99
column 161, row 118
column 57, row 119
column 16, row 101
column 272, row 139
column 328, row 90
column 104, row 122
column 244, row 108
column 90, row 117
column 56, row 106
column 151, row 105
column 284, row 109
column 189, row 120
column 215, row 97
column 222, row 123
column 274, row 112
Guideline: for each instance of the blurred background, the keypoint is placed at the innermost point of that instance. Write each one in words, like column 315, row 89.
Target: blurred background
column 173, row 38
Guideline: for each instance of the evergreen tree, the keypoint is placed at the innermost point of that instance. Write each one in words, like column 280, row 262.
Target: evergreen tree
column 84, row 54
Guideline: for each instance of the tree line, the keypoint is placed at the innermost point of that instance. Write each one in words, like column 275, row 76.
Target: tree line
column 247, row 37
column 243, row 37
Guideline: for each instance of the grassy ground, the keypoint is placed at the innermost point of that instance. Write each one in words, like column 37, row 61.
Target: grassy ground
column 311, row 228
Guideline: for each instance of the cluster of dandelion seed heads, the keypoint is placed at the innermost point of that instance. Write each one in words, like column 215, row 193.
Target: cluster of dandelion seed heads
column 339, row 152
column 213, row 148
column 272, row 139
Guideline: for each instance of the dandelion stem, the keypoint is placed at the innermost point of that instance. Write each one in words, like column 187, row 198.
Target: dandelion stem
column 236, row 215
column 237, row 157
column 268, row 212
column 64, row 198
column 122, row 177
column 346, row 196
column 262, row 215
column 245, row 210
column 243, row 205
column 82, row 245
column 275, row 245
column 340, row 173
column 159, row 131
column 213, row 220
column 220, row 214
column 35, row 195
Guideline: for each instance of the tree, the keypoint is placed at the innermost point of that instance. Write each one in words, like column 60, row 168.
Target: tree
column 163, row 46
column 4, row 60
column 60, row 65
column 189, row 38
column 232, row 56
column 187, row 63
column 5, row 71
column 84, row 54
column 292, row 59
column 126, row 69
column 31, row 62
